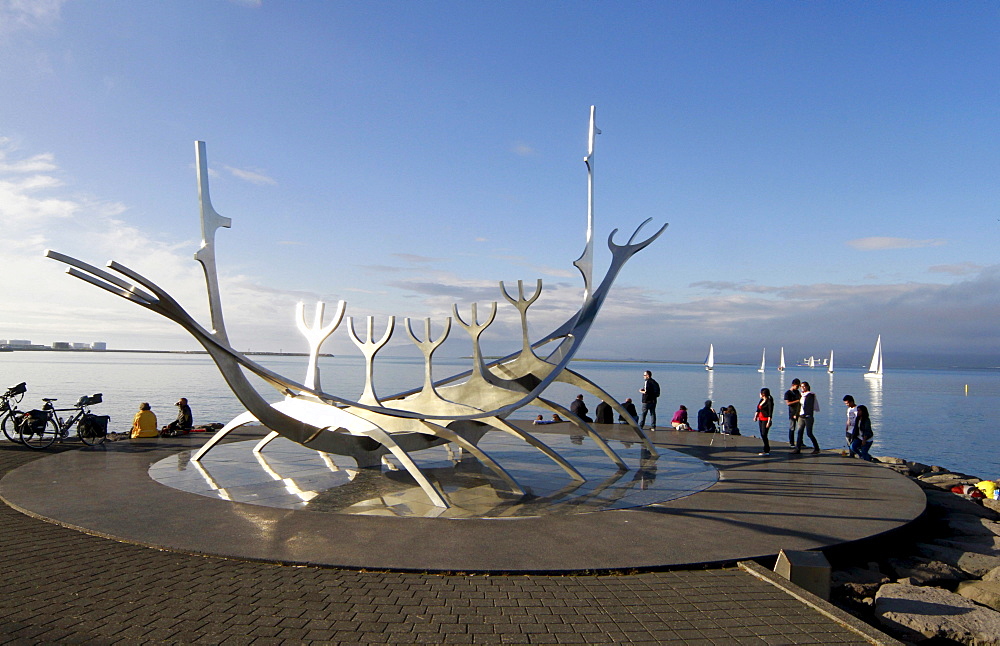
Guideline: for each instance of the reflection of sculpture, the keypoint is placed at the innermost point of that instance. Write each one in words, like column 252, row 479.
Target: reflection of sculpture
column 459, row 410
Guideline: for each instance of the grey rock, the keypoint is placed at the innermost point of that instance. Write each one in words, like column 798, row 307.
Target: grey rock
column 945, row 481
column 932, row 613
column 982, row 544
column 946, row 502
column 972, row 526
column 857, row 583
column 918, row 469
column 973, row 563
column 986, row 593
column 924, row 571
column 993, row 505
column 890, row 460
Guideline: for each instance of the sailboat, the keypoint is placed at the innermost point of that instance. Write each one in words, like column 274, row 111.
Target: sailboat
column 829, row 366
column 781, row 361
column 710, row 359
column 875, row 370
column 762, row 355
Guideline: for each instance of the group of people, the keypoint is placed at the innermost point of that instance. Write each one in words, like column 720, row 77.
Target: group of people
column 802, row 408
column 800, row 400
column 144, row 422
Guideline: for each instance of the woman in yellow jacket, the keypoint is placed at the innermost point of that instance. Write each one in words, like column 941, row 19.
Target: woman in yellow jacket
column 144, row 423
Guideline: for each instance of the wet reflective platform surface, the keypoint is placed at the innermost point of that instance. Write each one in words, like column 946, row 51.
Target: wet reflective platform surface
column 288, row 476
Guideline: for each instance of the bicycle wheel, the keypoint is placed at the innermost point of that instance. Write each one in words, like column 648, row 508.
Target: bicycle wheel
column 89, row 435
column 10, row 429
column 39, row 438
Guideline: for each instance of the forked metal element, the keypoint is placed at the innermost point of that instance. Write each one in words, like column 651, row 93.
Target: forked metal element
column 459, row 409
column 316, row 334
column 370, row 348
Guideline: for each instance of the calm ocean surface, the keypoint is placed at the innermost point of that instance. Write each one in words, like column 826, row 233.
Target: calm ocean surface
column 922, row 415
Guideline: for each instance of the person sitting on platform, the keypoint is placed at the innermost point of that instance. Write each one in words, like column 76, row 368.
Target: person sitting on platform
column 184, row 420
column 580, row 409
column 144, row 422
column 603, row 413
column 680, row 420
column 707, row 418
column 542, row 420
column 730, row 422
column 630, row 409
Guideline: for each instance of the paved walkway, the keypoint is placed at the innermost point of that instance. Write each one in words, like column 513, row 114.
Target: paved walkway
column 61, row 585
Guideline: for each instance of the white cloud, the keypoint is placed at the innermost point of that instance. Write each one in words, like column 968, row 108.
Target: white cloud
column 28, row 14
column 957, row 269
column 880, row 243
column 252, row 176
column 522, row 149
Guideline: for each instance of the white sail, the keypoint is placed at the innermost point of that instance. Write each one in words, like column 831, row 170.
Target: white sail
column 829, row 366
column 762, row 356
column 875, row 369
column 710, row 359
column 781, row 361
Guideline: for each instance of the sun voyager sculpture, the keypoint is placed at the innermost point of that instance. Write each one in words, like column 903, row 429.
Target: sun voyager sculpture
column 460, row 409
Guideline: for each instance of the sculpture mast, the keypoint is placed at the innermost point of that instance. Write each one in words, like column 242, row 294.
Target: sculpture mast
column 210, row 222
column 585, row 263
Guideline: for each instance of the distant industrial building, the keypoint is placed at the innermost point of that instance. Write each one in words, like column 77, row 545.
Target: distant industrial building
column 25, row 344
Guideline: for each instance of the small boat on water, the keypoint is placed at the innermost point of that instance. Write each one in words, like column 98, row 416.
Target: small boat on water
column 875, row 369
column 781, row 361
column 762, row 357
column 829, row 366
column 710, row 359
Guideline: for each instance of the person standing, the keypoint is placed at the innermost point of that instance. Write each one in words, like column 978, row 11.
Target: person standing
column 806, row 419
column 650, row 393
column 852, row 413
column 765, row 411
column 793, row 399
column 862, row 435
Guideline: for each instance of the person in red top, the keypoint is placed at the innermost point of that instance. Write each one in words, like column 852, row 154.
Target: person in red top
column 765, row 411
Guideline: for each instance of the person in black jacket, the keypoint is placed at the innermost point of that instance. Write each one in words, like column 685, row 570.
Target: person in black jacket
column 630, row 409
column 650, row 393
column 861, row 439
column 603, row 413
column 765, row 411
column 707, row 418
column 580, row 409
column 806, row 419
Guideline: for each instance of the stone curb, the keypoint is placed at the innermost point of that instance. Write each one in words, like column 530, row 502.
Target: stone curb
column 825, row 608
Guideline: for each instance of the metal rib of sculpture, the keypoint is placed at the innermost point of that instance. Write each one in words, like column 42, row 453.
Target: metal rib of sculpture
column 459, row 409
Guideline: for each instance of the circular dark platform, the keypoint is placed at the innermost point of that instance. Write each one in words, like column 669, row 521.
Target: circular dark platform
column 758, row 506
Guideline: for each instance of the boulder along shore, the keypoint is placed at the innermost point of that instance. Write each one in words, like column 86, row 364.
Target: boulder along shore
column 937, row 580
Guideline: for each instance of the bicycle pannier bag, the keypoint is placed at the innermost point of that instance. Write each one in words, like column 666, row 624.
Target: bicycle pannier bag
column 94, row 425
column 35, row 419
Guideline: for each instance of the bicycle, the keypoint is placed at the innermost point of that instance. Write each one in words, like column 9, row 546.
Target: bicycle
column 10, row 414
column 40, row 428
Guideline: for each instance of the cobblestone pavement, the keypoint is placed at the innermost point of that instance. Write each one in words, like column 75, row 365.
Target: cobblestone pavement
column 62, row 586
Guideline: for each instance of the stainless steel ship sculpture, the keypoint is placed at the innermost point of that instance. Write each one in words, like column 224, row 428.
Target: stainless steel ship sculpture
column 460, row 409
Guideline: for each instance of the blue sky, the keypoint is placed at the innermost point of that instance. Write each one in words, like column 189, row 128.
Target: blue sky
column 829, row 170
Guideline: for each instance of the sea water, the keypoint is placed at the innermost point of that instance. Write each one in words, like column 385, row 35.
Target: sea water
column 921, row 415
